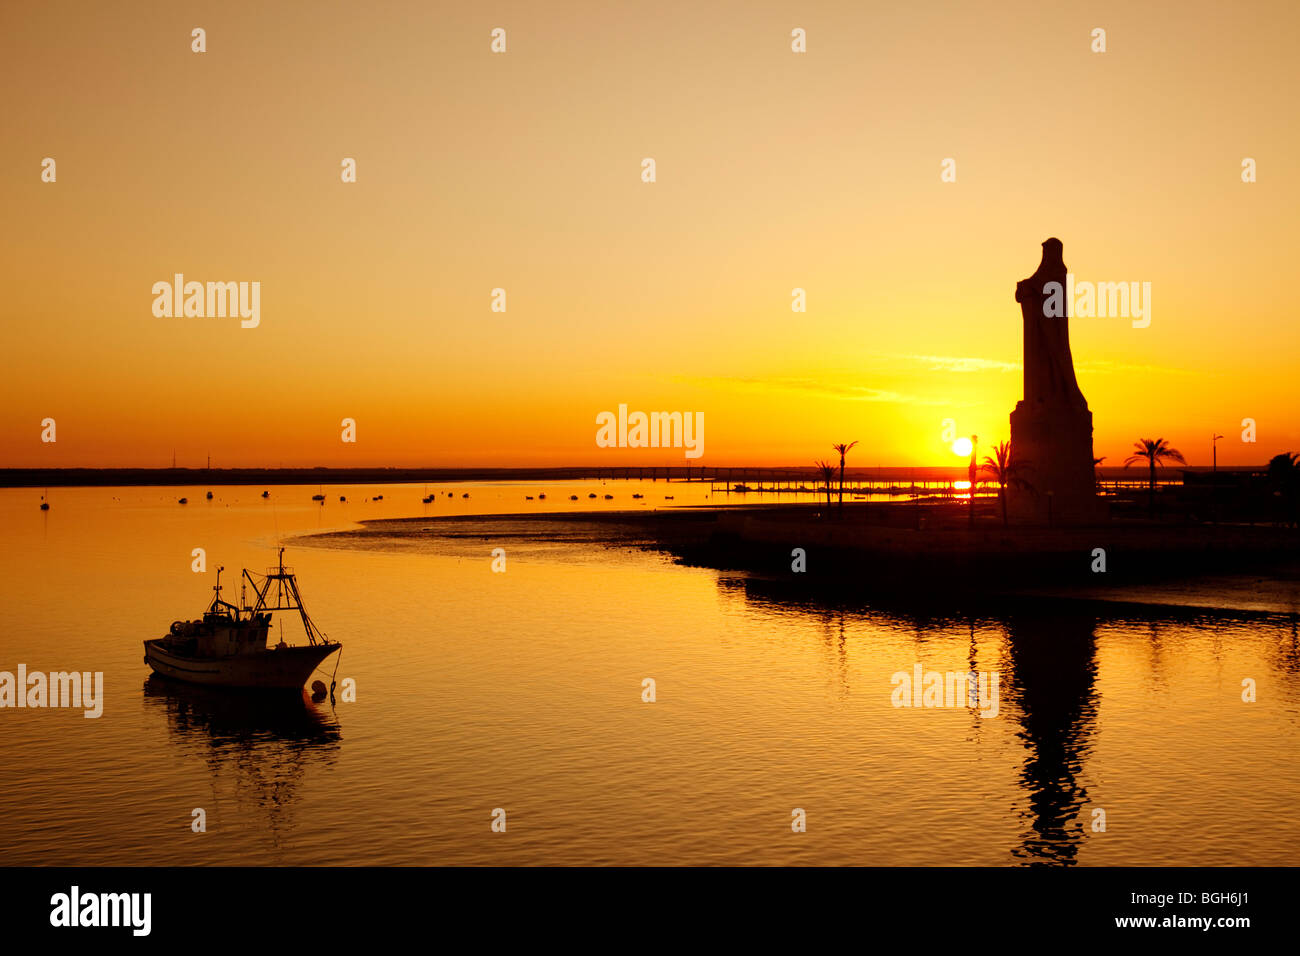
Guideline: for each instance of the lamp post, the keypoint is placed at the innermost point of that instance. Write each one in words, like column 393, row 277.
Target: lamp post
column 974, row 443
column 1214, row 477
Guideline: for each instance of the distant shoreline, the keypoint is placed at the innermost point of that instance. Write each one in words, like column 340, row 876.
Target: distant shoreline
column 163, row 477
column 126, row 477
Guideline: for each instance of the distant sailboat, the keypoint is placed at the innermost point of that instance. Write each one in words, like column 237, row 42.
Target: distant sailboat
column 45, row 505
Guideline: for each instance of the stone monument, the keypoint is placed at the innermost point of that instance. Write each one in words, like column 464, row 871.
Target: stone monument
column 1051, row 427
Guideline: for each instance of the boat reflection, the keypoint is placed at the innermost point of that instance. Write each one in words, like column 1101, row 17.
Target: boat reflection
column 228, row 716
column 258, row 745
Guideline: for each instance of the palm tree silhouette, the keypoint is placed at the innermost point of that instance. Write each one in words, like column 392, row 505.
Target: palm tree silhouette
column 826, row 470
column 1154, row 452
column 843, row 450
column 1005, row 470
column 1096, row 471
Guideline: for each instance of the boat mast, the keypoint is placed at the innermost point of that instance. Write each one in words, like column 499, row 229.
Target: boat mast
column 287, row 598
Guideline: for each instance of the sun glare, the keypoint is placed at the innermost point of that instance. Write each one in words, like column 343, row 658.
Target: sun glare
column 962, row 447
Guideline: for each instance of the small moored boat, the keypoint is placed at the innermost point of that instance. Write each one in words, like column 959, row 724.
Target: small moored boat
column 227, row 646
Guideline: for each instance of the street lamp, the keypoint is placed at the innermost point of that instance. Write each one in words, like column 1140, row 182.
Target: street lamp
column 1214, row 477
column 974, row 443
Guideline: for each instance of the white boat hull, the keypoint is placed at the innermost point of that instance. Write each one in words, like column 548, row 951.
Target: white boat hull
column 283, row 668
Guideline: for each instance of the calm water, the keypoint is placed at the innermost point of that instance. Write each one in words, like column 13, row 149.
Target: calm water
column 522, row 690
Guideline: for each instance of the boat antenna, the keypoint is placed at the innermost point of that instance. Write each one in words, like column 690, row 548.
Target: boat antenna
column 216, row 597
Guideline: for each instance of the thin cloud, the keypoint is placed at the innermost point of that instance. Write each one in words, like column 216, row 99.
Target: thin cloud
column 954, row 363
column 852, row 393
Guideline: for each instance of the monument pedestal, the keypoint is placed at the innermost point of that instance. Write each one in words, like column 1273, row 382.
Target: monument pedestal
column 1055, row 444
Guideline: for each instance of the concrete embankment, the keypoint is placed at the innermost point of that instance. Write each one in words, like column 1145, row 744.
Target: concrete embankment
column 939, row 545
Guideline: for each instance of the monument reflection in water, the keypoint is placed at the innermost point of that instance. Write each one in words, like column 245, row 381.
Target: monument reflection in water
column 1053, row 670
column 1048, row 666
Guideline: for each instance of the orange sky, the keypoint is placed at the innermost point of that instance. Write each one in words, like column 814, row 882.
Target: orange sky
column 522, row 170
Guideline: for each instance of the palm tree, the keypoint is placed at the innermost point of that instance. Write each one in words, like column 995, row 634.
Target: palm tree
column 826, row 471
column 1154, row 452
column 843, row 450
column 1005, row 470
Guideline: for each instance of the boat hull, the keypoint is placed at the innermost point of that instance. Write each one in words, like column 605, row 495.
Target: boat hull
column 285, row 668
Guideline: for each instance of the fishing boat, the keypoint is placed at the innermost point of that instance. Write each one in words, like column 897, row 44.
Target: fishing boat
column 227, row 647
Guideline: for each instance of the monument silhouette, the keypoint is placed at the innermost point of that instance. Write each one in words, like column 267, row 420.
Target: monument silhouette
column 1051, row 427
